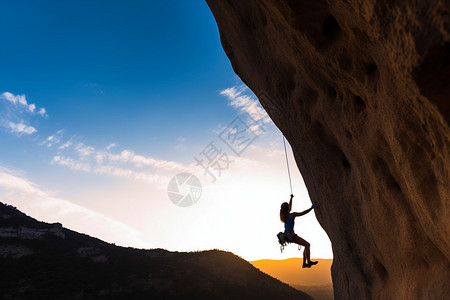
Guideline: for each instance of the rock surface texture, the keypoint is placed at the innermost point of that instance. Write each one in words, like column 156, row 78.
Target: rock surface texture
column 361, row 91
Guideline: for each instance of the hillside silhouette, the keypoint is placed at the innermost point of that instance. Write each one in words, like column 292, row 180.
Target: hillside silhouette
column 47, row 261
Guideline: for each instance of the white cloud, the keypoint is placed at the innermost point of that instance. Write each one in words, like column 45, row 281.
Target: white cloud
column 232, row 92
column 10, row 181
column 53, row 139
column 30, row 199
column 112, row 145
column 71, row 163
column 11, row 98
column 84, row 150
column 128, row 156
column 65, row 145
column 88, row 159
column 21, row 128
column 249, row 105
column 110, row 170
column 180, row 147
column 124, row 163
column 128, row 173
column 22, row 100
column 16, row 119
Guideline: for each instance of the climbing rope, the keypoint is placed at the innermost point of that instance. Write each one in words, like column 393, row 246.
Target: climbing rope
column 287, row 163
column 281, row 238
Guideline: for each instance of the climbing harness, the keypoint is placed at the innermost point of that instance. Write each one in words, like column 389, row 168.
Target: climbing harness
column 282, row 239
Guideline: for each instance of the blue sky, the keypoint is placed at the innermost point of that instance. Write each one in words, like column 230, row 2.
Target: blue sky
column 80, row 60
column 102, row 102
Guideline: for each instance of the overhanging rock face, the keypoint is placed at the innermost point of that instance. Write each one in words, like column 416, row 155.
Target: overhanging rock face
column 361, row 91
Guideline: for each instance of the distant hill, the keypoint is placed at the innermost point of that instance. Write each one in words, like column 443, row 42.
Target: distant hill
column 47, row 261
column 315, row 281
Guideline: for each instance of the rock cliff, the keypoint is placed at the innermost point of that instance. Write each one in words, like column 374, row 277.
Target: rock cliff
column 361, row 91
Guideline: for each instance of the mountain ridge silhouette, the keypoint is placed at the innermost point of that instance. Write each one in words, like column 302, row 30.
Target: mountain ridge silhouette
column 39, row 260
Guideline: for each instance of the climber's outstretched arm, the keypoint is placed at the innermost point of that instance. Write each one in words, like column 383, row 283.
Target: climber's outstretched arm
column 298, row 214
column 290, row 202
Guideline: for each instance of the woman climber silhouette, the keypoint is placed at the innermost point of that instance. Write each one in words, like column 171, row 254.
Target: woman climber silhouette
column 288, row 219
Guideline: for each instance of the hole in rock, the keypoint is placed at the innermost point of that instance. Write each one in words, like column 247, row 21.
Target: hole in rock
column 371, row 69
column 360, row 101
column 380, row 269
column 346, row 163
column 349, row 135
column 290, row 85
column 360, row 104
column 382, row 167
column 395, row 185
column 331, row 92
column 311, row 96
column 330, row 27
